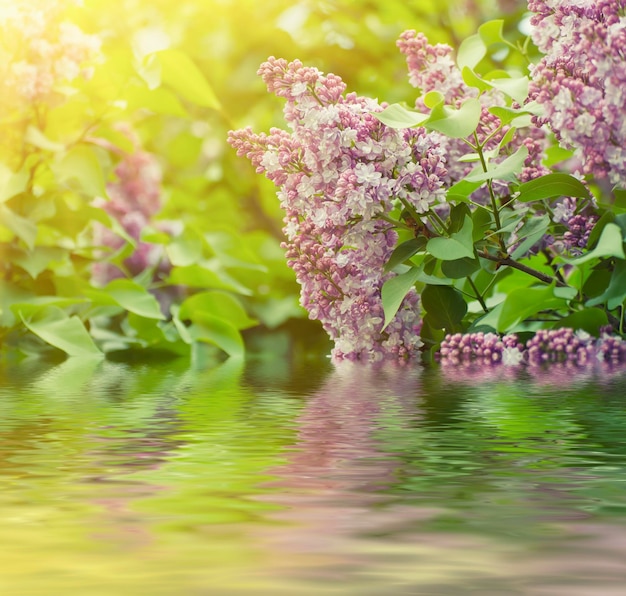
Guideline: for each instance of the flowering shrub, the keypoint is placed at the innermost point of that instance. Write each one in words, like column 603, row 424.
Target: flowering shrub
column 88, row 262
column 500, row 192
column 338, row 172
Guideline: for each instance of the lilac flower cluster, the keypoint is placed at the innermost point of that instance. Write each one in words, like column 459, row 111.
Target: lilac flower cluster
column 40, row 49
column 134, row 199
column 559, row 345
column 487, row 348
column 546, row 346
column 581, row 80
column 338, row 172
column 432, row 68
column 578, row 230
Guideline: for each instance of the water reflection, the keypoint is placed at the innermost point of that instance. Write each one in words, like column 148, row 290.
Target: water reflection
column 119, row 478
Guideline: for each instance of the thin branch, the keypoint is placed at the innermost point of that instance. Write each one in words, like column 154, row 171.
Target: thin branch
column 509, row 262
column 477, row 294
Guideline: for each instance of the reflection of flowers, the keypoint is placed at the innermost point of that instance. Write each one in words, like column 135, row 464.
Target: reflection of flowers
column 42, row 51
column 338, row 467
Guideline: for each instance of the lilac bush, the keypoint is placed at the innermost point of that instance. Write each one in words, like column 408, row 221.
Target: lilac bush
column 339, row 172
column 454, row 195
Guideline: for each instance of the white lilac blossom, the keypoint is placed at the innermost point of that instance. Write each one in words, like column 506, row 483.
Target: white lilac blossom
column 40, row 50
column 338, row 172
column 581, row 80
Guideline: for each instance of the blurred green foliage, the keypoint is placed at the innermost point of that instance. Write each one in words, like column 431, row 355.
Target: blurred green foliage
column 179, row 76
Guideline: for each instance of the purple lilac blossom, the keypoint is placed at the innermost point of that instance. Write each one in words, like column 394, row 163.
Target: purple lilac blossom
column 581, row 80
column 487, row 348
column 547, row 346
column 134, row 198
column 432, row 68
column 338, row 172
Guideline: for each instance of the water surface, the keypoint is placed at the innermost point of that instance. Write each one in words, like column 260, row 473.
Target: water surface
column 269, row 479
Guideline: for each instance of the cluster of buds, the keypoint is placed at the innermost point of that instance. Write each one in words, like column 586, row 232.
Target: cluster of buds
column 547, row 346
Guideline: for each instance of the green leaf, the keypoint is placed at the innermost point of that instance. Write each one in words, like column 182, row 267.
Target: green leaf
column 462, row 190
column 182, row 74
column 158, row 100
column 185, row 249
column 405, row 251
column 445, row 306
column 482, row 223
column 525, row 302
column 588, row 319
column 134, row 298
column 394, row 290
column 516, row 88
column 491, row 32
column 471, row 51
column 397, row 116
column 56, row 328
column 505, row 170
column 597, row 282
column 433, row 99
column 216, row 331
column 455, row 123
column 35, row 137
column 555, row 154
column 460, row 267
column 11, row 183
column 531, row 233
column 11, row 294
column 620, row 198
column 39, row 259
column 610, row 244
column 199, row 276
column 458, row 215
column 80, row 167
column 218, row 304
column 23, row 228
column 552, row 185
column 459, row 245
column 504, row 114
column 149, row 69
column 148, row 330
column 473, row 80
column 615, row 293
column 605, row 218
